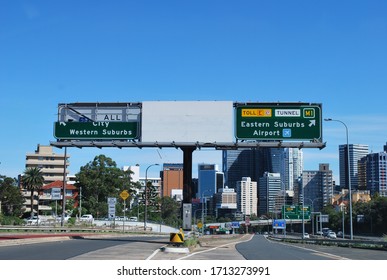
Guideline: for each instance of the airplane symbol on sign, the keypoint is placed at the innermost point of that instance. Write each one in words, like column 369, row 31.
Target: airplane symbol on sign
column 287, row 133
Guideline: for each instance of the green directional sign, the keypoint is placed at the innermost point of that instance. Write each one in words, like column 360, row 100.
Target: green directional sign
column 306, row 212
column 291, row 212
column 295, row 212
column 95, row 130
column 279, row 122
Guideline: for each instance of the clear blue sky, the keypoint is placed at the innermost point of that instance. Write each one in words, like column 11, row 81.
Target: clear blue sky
column 329, row 52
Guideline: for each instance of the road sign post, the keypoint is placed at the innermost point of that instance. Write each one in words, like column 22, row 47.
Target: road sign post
column 124, row 195
column 112, row 207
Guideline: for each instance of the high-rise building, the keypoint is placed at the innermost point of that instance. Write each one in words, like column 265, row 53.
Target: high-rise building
column 356, row 152
column 210, row 179
column 288, row 162
column 254, row 163
column 52, row 165
column 242, row 163
column 318, row 187
column 226, row 202
column 295, row 167
column 247, row 196
column 172, row 180
column 372, row 173
column 270, row 194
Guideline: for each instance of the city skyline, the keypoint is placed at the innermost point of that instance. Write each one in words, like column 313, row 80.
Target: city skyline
column 329, row 53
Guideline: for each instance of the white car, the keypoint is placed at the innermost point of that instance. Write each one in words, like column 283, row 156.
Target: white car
column 34, row 221
column 306, row 235
column 59, row 218
column 88, row 218
column 332, row 235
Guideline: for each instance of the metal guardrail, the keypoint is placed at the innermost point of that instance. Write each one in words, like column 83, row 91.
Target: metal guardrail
column 356, row 243
column 54, row 229
column 94, row 228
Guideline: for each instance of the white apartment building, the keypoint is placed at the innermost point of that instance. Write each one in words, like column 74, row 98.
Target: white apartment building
column 247, row 196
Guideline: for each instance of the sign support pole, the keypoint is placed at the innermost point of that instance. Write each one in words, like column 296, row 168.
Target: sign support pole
column 64, row 187
column 187, row 173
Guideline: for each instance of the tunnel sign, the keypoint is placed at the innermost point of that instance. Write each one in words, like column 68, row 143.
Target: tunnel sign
column 282, row 122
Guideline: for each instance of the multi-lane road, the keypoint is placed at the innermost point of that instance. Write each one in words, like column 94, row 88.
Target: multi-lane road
column 142, row 247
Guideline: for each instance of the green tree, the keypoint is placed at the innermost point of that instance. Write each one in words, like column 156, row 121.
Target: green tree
column 100, row 179
column 33, row 180
column 11, row 199
column 170, row 211
column 368, row 217
column 152, row 196
column 374, row 213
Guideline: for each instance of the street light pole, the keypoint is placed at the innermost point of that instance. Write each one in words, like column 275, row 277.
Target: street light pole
column 303, row 215
column 349, row 178
column 342, row 205
column 80, row 202
column 64, row 190
column 146, row 194
column 284, row 204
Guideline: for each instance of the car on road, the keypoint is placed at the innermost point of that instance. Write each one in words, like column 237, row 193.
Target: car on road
column 33, row 221
column 332, row 235
column 58, row 219
column 325, row 231
column 306, row 235
column 88, row 218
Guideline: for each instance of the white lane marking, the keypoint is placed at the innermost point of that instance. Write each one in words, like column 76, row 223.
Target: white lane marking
column 154, row 253
column 209, row 250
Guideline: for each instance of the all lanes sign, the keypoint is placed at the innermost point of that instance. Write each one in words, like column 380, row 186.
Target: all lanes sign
column 292, row 121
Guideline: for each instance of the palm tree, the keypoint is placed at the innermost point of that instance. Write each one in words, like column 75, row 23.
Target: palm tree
column 33, row 181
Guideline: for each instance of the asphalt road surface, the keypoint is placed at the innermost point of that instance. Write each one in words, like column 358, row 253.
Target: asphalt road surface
column 142, row 247
column 125, row 247
column 261, row 248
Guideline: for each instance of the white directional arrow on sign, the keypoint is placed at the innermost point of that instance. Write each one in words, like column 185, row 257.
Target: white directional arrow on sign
column 312, row 123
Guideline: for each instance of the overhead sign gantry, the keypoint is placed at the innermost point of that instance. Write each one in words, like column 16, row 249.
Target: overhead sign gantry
column 189, row 125
column 208, row 124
